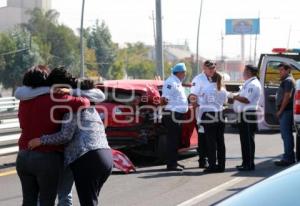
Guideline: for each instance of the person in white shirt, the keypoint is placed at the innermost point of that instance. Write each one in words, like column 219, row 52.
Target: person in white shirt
column 246, row 105
column 175, row 105
column 210, row 114
column 196, row 98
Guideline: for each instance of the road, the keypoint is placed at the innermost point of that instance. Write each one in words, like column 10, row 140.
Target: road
column 151, row 185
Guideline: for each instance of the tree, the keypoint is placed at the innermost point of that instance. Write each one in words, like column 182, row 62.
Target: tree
column 99, row 39
column 17, row 54
column 116, row 71
column 58, row 43
column 142, row 70
column 136, row 62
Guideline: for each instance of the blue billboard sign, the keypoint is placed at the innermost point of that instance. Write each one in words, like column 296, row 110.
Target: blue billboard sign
column 242, row 26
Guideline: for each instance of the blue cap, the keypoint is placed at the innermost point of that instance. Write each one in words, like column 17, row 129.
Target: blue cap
column 180, row 67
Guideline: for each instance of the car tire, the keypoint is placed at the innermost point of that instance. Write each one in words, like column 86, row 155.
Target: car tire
column 161, row 146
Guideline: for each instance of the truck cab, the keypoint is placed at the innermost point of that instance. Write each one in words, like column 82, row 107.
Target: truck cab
column 270, row 82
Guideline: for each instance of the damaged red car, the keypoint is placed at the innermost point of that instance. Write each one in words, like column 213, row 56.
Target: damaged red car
column 132, row 116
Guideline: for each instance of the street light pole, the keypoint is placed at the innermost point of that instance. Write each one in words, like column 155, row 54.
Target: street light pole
column 159, row 42
column 198, row 33
column 81, row 42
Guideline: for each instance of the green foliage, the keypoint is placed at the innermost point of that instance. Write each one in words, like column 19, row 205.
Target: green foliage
column 42, row 40
column 99, row 39
column 116, row 71
column 58, row 44
column 136, row 62
column 16, row 57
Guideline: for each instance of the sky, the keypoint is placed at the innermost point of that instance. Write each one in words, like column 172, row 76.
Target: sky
column 130, row 21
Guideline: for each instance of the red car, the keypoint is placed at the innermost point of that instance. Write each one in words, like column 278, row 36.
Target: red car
column 132, row 116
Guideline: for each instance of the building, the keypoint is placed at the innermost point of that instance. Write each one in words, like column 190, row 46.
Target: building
column 15, row 12
column 173, row 53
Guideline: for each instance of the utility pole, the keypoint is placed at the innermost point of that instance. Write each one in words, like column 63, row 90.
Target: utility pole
column 243, row 49
column 154, row 30
column 255, row 44
column 198, row 33
column 159, row 42
column 222, row 51
column 81, row 42
column 250, row 52
column 289, row 37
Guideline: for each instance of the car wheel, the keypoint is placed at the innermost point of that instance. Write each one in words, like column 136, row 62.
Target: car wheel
column 161, row 146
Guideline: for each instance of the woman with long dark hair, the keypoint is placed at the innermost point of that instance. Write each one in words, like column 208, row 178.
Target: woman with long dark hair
column 213, row 123
column 39, row 168
column 86, row 152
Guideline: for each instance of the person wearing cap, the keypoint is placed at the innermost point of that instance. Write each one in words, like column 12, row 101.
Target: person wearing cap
column 199, row 84
column 207, row 87
column 246, row 105
column 284, row 108
column 175, row 105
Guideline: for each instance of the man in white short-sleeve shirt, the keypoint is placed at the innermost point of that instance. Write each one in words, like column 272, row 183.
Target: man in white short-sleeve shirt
column 200, row 84
column 246, row 105
column 175, row 105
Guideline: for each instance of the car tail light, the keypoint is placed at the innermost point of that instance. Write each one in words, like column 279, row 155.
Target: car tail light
column 297, row 102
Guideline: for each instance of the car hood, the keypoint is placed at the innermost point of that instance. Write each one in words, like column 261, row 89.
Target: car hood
column 278, row 190
column 146, row 88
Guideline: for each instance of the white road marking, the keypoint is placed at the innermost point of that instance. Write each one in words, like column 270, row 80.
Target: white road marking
column 9, row 150
column 199, row 198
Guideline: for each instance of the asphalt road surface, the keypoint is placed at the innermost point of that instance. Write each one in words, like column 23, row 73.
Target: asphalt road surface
column 151, row 185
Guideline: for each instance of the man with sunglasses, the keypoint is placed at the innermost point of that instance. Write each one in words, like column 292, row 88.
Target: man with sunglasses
column 199, row 84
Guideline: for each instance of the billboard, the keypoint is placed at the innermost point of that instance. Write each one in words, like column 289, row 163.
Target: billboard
column 242, row 26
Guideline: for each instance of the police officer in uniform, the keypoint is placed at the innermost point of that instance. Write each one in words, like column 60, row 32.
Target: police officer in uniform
column 199, row 83
column 175, row 106
column 246, row 105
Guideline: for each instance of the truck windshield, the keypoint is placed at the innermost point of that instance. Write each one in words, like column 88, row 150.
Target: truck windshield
column 272, row 74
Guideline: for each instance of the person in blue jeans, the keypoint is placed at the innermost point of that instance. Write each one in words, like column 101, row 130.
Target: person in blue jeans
column 284, row 104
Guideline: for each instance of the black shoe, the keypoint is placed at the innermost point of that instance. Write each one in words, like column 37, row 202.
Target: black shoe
column 283, row 163
column 203, row 164
column 221, row 169
column 180, row 165
column 178, row 169
column 245, row 168
column 211, row 170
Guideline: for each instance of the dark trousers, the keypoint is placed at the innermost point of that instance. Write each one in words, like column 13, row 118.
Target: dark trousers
column 214, row 138
column 201, row 146
column 39, row 173
column 247, row 128
column 90, row 172
column 174, row 132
